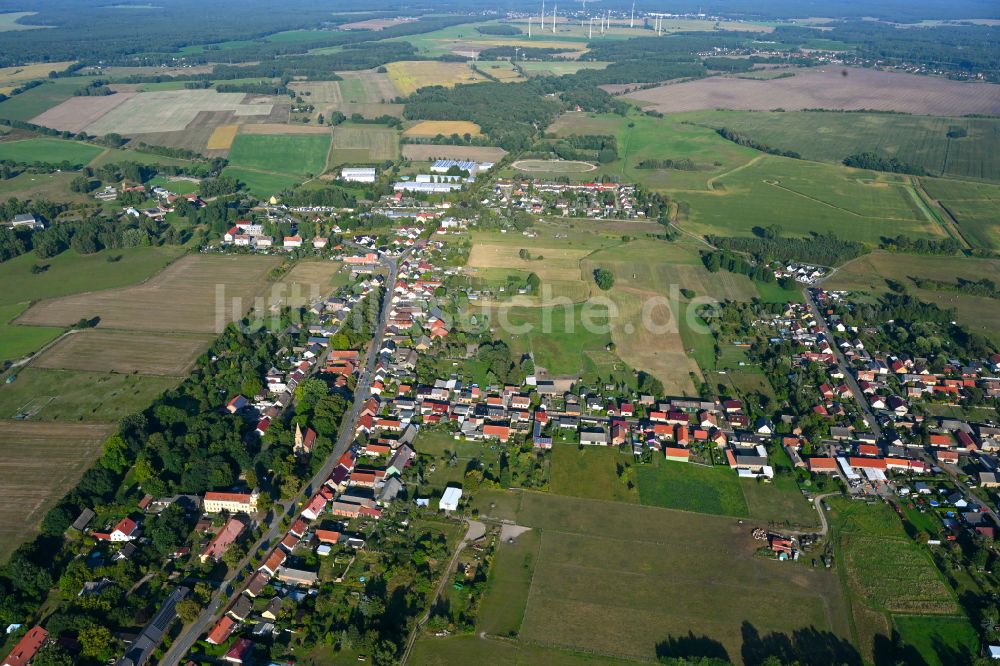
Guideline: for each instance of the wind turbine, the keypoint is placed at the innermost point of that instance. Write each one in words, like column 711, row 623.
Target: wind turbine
column 555, row 7
column 631, row 21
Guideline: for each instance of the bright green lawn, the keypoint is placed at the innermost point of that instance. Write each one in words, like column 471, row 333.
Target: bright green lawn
column 260, row 183
column 298, row 154
column 690, row 487
column 595, row 472
column 502, row 609
column 18, row 341
column 940, row 641
column 559, row 340
column 52, row 151
column 72, row 273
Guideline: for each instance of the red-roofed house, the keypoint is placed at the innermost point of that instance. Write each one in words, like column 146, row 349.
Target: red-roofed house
column 222, row 630
column 823, row 465
column 239, row 652
column 676, row 454
column 27, row 647
column 327, row 536
column 223, row 540
column 491, row 431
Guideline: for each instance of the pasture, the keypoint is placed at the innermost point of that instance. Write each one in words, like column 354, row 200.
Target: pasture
column 593, row 472
column 71, row 273
column 19, row 341
column 312, row 280
column 198, row 294
column 432, row 128
column 364, row 144
column 30, row 484
column 974, row 207
column 808, row 197
column 868, row 274
column 553, row 166
column 289, row 154
column 410, row 75
column 426, row 152
column 32, row 102
column 51, row 151
column 48, row 186
column 125, row 352
column 659, row 569
column 830, row 137
column 73, row 396
column 828, row 88
column 260, row 183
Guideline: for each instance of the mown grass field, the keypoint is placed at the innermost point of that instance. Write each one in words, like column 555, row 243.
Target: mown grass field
column 830, row 137
column 71, row 396
column 869, row 274
column 558, row 338
column 40, row 461
column 939, row 641
column 293, row 154
column 594, row 472
column 52, row 151
column 659, row 570
column 125, row 352
column 675, row 485
column 71, row 273
column 19, row 341
column 363, row 145
column 465, row 649
column 509, row 583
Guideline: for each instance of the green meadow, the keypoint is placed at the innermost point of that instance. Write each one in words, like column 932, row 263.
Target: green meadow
column 291, row 154
column 52, row 151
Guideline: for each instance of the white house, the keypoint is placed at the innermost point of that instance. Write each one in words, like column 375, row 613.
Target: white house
column 293, row 241
column 449, row 501
column 27, row 220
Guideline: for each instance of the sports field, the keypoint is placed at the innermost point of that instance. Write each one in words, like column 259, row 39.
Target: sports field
column 291, row 154
column 828, row 88
column 918, row 140
column 125, row 352
column 410, row 75
column 193, row 295
column 431, row 128
column 363, row 144
column 629, row 581
column 51, row 151
column 31, row 483
column 869, row 274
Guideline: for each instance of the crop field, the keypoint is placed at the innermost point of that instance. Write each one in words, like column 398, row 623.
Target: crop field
column 124, row 352
column 806, row 197
column 74, row 396
column 72, row 273
column 77, row 113
column 919, row 140
column 52, row 151
column 827, row 88
column 886, row 573
column 593, row 472
column 367, row 92
column 429, row 152
column 554, row 166
column 870, row 273
column 222, row 137
column 314, row 279
column 410, row 75
column 291, row 154
column 198, row 294
column 502, row 70
column 9, row 22
column 352, row 144
column 558, row 67
column 166, row 110
column 30, row 483
column 12, row 77
column 974, row 207
column 658, row 570
column 676, row 485
column 19, row 341
column 432, row 128
column 553, row 263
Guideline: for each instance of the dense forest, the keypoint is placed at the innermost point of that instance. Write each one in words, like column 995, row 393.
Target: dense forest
column 876, row 162
column 826, row 250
